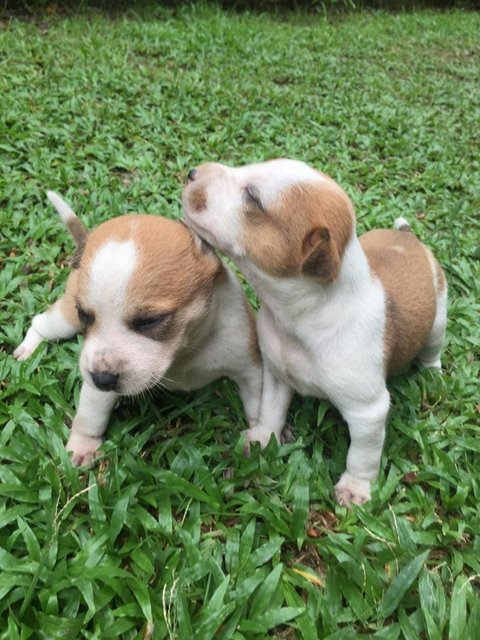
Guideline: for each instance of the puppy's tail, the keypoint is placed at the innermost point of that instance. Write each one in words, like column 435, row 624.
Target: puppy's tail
column 402, row 225
column 76, row 227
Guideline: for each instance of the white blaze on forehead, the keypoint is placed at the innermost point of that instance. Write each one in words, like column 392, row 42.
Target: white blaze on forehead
column 275, row 176
column 110, row 274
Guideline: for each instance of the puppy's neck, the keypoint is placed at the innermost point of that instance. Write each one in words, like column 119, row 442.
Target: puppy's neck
column 290, row 298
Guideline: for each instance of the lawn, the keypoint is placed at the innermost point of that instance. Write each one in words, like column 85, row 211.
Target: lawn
column 158, row 541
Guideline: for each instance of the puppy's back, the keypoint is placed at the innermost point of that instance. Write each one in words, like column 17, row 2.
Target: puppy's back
column 411, row 278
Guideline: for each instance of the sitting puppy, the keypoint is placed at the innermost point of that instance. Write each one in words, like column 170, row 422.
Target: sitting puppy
column 157, row 307
column 339, row 313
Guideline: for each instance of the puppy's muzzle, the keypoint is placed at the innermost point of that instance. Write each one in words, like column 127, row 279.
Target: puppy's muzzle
column 104, row 380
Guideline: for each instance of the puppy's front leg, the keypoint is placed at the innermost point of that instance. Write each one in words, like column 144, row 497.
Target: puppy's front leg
column 60, row 321
column 90, row 423
column 366, row 423
column 276, row 397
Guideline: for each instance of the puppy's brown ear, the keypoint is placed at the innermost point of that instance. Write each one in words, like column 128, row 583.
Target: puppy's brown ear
column 321, row 256
column 200, row 244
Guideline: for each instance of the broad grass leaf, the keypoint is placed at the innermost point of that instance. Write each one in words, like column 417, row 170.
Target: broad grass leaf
column 409, row 630
column 390, row 632
column 305, row 622
column 264, row 553
column 245, row 546
column 213, row 614
column 271, row 619
column 118, row 517
column 432, row 598
column 247, row 586
column 265, row 593
column 185, row 626
column 232, row 547
column 301, row 496
column 458, row 608
column 395, row 592
column 59, row 627
column 433, row 631
column 142, row 595
column 343, row 634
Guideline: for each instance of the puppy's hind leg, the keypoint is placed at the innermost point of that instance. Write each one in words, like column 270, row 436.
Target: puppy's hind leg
column 250, row 389
column 60, row 321
column 429, row 356
column 276, row 397
column 366, row 424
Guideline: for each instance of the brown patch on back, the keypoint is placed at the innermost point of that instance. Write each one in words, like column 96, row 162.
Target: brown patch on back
column 400, row 261
column 281, row 239
column 440, row 278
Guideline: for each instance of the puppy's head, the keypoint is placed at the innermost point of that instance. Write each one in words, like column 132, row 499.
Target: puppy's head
column 144, row 285
column 285, row 217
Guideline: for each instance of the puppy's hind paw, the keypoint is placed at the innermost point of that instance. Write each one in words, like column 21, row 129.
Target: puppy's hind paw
column 287, row 435
column 28, row 345
column 350, row 490
column 83, row 449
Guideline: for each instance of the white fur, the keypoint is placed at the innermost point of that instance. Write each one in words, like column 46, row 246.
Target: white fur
column 401, row 223
column 50, row 325
column 89, row 423
column 430, row 354
column 321, row 340
column 317, row 339
column 268, row 179
column 211, row 340
column 64, row 210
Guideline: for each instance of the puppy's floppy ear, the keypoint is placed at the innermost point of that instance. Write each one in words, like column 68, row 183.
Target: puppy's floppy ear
column 200, row 244
column 321, row 259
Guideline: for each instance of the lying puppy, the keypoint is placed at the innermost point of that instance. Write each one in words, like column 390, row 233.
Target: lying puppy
column 339, row 313
column 157, row 308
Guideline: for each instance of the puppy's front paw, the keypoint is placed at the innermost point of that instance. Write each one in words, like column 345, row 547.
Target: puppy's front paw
column 256, row 434
column 83, row 449
column 28, row 345
column 351, row 490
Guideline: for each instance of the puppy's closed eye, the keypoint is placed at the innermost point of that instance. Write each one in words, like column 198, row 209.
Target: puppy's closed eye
column 147, row 324
column 87, row 318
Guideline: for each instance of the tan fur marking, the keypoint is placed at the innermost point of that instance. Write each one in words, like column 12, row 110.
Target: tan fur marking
column 78, row 230
column 280, row 240
column 440, row 278
column 67, row 302
column 197, row 198
column 167, row 248
column 409, row 289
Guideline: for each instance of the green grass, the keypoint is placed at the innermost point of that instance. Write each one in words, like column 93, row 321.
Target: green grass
column 112, row 114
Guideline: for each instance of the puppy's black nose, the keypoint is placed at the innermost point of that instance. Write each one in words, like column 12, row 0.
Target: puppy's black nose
column 104, row 380
column 192, row 174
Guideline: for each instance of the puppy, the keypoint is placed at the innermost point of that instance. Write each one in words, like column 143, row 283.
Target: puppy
column 158, row 308
column 339, row 313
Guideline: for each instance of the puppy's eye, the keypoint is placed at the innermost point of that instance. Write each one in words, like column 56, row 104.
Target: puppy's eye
column 253, row 196
column 85, row 317
column 144, row 324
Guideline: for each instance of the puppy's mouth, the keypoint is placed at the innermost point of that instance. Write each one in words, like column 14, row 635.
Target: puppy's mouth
column 205, row 235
